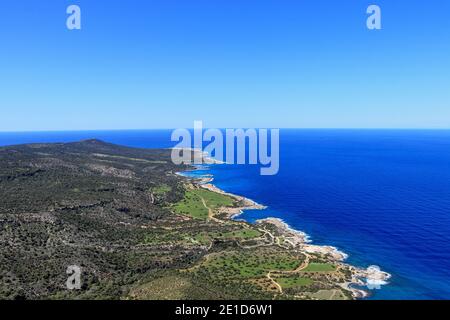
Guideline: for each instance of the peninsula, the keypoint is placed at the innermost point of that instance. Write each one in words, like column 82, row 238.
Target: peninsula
column 139, row 230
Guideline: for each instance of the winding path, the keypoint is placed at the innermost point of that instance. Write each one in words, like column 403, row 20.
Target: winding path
column 274, row 240
column 210, row 212
column 302, row 266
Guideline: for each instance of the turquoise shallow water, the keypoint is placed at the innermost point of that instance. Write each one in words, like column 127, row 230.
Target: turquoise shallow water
column 381, row 196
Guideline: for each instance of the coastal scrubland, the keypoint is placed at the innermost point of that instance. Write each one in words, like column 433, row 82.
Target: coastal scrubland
column 138, row 230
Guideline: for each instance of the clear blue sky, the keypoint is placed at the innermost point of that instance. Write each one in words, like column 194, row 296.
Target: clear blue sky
column 231, row 63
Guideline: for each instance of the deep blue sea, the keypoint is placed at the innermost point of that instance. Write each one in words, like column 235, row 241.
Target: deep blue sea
column 381, row 196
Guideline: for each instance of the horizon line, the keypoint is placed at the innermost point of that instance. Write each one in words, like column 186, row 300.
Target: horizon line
column 223, row 128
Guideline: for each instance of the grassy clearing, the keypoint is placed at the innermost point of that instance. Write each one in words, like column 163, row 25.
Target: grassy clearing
column 319, row 267
column 293, row 281
column 243, row 234
column 214, row 200
column 193, row 206
column 248, row 265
